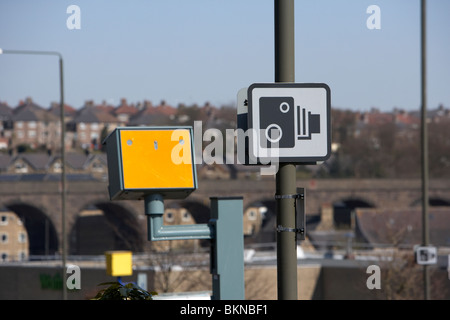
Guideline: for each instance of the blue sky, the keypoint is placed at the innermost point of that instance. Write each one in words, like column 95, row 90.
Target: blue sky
column 206, row 50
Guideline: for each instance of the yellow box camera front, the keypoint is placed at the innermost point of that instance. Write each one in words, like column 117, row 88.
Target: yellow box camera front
column 119, row 263
column 146, row 160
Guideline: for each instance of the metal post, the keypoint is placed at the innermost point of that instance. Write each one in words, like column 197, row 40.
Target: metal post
column 63, row 150
column 286, row 175
column 424, row 151
column 227, row 249
column 63, row 173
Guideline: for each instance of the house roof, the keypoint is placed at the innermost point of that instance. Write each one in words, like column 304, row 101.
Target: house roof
column 6, row 111
column 125, row 108
column 55, row 109
column 30, row 111
column 76, row 160
column 5, row 160
column 90, row 113
column 148, row 117
column 165, row 109
column 45, row 177
column 38, row 161
column 80, row 161
column 42, row 161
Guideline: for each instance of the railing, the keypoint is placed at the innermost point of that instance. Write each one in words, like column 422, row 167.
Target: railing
column 338, row 249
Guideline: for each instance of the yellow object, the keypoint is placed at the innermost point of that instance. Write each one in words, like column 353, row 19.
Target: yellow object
column 154, row 159
column 119, row 263
column 150, row 160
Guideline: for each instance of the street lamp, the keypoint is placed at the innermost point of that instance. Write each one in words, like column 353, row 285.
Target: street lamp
column 424, row 144
column 63, row 172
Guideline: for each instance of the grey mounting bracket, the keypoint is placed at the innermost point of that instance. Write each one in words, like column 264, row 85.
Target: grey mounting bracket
column 154, row 210
column 299, row 206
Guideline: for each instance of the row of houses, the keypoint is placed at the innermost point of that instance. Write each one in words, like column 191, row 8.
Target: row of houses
column 46, row 163
column 405, row 122
column 95, row 165
column 30, row 125
column 33, row 126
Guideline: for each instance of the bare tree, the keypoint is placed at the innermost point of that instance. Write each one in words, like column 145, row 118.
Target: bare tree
column 180, row 271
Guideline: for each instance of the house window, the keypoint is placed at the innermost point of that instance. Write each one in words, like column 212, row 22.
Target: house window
column 94, row 126
column 57, row 167
column 3, row 220
column 31, row 134
column 169, row 216
column 97, row 167
column 21, row 167
column 3, row 237
column 22, row 237
column 186, row 216
column 32, row 124
column 22, row 256
column 19, row 124
column 82, row 126
column 4, row 256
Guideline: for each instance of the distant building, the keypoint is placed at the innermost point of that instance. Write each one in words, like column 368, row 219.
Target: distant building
column 90, row 124
column 124, row 111
column 42, row 163
column 150, row 115
column 34, row 126
column 6, row 123
column 13, row 237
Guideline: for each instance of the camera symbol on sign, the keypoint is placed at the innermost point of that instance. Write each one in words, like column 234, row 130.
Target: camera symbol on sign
column 283, row 123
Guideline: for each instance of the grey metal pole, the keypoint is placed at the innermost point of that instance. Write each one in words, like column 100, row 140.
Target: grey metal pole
column 63, row 171
column 286, row 175
column 63, row 174
column 424, row 151
column 227, row 256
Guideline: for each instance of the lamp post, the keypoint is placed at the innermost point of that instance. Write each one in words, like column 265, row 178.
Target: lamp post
column 63, row 129
column 424, row 145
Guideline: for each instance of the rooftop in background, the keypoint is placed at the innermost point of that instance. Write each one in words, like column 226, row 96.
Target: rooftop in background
column 45, row 177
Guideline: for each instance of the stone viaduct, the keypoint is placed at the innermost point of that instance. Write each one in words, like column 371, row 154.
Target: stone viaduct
column 39, row 203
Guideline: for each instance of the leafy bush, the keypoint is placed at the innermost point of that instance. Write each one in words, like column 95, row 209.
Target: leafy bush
column 119, row 291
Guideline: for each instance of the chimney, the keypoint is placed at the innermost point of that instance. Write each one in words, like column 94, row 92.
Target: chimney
column 147, row 104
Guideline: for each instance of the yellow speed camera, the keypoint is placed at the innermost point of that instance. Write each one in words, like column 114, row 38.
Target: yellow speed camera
column 146, row 160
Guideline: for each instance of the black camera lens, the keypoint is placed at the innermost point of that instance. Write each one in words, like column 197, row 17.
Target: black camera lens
column 273, row 133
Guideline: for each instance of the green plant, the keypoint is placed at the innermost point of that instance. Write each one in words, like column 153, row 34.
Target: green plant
column 119, row 291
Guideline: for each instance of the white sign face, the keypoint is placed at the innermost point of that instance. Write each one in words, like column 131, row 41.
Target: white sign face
column 426, row 255
column 290, row 121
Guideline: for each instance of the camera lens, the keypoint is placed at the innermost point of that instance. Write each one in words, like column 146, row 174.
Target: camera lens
column 273, row 133
column 284, row 107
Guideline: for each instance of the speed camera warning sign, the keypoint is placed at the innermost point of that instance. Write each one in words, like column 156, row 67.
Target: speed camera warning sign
column 290, row 121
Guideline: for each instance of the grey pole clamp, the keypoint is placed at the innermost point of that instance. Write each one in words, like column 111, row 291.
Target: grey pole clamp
column 299, row 214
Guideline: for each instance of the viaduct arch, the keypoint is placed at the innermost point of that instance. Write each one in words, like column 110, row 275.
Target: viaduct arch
column 38, row 203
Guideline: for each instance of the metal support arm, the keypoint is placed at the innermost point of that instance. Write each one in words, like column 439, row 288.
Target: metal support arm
column 154, row 209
